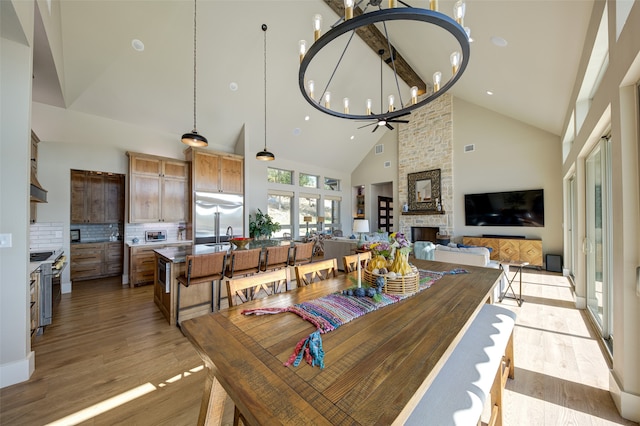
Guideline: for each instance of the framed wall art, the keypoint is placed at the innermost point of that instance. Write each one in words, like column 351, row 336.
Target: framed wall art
column 424, row 191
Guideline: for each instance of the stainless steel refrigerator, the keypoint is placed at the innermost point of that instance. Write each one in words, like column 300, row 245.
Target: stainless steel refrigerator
column 218, row 217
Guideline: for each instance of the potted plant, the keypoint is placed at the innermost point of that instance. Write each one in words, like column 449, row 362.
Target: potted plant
column 262, row 225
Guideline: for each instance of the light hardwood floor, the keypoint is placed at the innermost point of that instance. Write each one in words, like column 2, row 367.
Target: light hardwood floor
column 111, row 358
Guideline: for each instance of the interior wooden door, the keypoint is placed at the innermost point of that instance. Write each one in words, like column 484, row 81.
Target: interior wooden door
column 385, row 213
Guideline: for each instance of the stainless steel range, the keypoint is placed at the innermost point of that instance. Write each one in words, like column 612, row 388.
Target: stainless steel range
column 49, row 272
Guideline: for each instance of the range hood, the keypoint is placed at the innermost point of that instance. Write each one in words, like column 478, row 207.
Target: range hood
column 38, row 193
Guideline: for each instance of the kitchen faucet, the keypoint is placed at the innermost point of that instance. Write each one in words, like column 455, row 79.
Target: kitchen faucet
column 229, row 231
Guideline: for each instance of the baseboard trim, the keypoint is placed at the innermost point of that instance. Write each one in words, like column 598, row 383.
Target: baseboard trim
column 628, row 404
column 17, row 371
column 581, row 302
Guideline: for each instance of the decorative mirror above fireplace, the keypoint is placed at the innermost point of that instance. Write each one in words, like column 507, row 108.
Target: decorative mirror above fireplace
column 424, row 192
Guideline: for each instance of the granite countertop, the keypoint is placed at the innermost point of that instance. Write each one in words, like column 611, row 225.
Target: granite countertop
column 178, row 254
column 101, row 240
column 158, row 243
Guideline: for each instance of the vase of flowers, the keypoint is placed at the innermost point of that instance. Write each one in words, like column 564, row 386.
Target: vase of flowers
column 391, row 256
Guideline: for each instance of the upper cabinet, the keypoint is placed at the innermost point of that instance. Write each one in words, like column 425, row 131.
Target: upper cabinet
column 96, row 197
column 158, row 189
column 216, row 172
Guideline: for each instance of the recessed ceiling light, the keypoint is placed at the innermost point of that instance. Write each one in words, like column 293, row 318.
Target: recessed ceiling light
column 233, row 86
column 352, row 137
column 137, row 45
column 306, row 118
column 296, row 131
column 498, row 41
column 489, row 92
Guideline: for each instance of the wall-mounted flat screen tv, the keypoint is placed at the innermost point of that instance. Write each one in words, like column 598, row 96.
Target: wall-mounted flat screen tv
column 513, row 208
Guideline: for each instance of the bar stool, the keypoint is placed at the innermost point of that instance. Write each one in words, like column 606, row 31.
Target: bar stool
column 244, row 262
column 202, row 268
column 302, row 253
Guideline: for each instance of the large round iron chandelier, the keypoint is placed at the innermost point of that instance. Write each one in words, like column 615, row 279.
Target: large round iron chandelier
column 404, row 14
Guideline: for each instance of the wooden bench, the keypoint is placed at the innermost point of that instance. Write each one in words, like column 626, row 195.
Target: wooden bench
column 478, row 366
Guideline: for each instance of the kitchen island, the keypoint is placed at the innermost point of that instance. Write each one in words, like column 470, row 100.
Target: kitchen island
column 170, row 263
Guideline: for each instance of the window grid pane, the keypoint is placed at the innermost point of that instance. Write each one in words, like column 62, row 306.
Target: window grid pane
column 279, row 176
column 308, row 181
column 279, row 208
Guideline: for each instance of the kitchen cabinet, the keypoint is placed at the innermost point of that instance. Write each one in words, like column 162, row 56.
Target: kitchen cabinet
column 96, row 197
column 216, row 172
column 34, row 301
column 142, row 262
column 158, row 189
column 96, row 260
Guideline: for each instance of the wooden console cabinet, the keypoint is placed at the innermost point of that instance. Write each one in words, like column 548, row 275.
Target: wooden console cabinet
column 510, row 249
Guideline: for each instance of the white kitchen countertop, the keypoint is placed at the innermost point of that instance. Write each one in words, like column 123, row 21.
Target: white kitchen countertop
column 35, row 265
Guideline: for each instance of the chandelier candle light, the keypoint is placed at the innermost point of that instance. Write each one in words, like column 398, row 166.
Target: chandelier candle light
column 355, row 19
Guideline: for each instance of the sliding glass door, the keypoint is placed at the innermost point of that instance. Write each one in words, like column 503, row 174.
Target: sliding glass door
column 597, row 245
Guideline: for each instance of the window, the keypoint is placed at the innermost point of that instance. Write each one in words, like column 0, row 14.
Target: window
column 308, row 207
column 308, row 181
column 331, row 213
column 279, row 208
column 332, row 184
column 279, row 176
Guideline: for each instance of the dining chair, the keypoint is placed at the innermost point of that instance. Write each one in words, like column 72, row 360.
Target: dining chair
column 245, row 289
column 316, row 271
column 350, row 262
column 201, row 269
column 276, row 257
column 302, row 253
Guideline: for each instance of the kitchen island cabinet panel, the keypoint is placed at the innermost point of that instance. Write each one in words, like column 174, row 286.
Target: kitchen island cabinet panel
column 142, row 262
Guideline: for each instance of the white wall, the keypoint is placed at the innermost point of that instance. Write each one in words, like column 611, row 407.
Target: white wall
column 17, row 361
column 509, row 155
column 615, row 105
column 372, row 171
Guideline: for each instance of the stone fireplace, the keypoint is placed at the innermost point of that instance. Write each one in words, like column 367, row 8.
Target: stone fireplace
column 426, row 143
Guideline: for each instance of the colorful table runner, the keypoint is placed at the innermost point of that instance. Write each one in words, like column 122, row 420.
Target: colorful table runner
column 333, row 310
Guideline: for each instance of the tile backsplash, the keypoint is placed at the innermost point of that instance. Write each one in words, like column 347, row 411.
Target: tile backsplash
column 96, row 232
column 133, row 230
column 45, row 236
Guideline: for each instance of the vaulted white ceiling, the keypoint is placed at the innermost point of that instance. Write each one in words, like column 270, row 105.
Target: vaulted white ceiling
column 531, row 77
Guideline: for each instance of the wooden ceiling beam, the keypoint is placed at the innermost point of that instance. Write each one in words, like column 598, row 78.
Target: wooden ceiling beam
column 377, row 41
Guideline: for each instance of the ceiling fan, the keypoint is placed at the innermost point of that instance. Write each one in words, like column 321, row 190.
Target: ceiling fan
column 387, row 118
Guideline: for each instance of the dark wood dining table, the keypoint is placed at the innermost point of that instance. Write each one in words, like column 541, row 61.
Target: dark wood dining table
column 377, row 367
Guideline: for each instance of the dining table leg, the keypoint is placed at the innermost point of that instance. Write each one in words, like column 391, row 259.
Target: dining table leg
column 213, row 401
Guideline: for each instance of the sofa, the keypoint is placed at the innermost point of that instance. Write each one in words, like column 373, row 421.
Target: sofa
column 337, row 248
column 472, row 256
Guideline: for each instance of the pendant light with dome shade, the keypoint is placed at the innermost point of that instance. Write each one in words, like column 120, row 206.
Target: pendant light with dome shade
column 265, row 155
column 194, row 138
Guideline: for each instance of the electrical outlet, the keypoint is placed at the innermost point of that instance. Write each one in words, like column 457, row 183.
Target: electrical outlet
column 5, row 240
